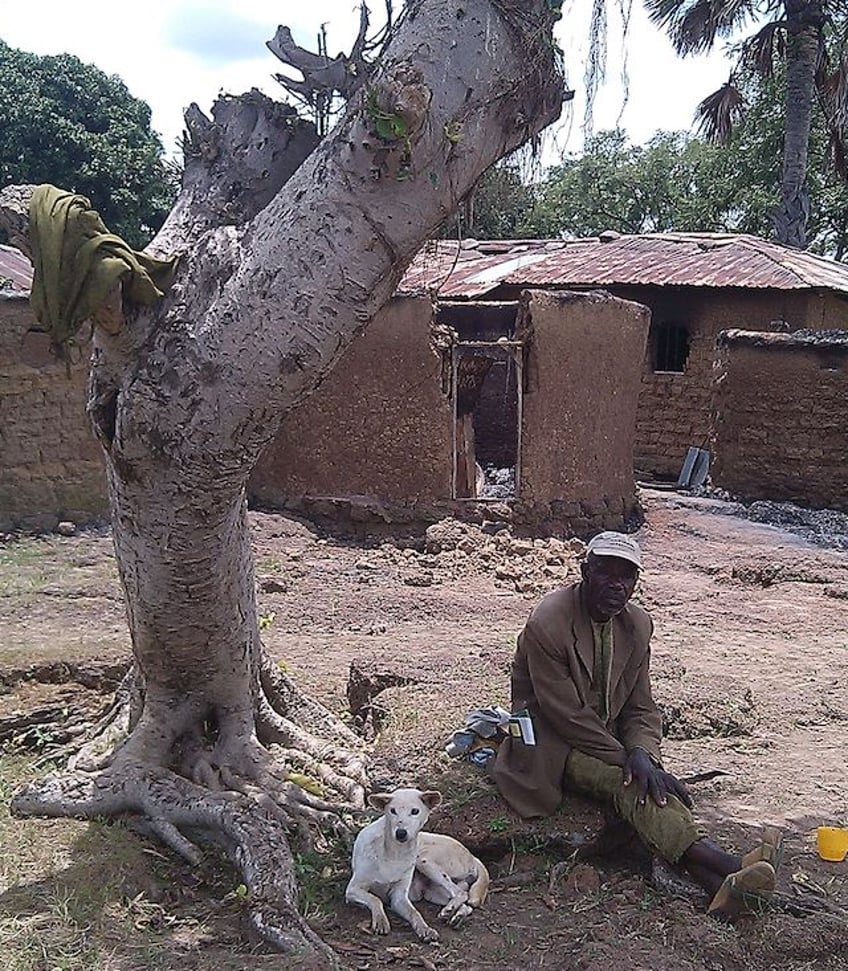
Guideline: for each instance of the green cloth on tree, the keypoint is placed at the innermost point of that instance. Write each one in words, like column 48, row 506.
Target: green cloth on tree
column 77, row 262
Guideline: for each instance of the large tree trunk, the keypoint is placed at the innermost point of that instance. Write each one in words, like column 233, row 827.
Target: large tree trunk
column 275, row 279
column 804, row 26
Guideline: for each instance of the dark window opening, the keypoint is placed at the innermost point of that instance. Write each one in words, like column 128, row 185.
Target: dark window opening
column 671, row 348
column 479, row 320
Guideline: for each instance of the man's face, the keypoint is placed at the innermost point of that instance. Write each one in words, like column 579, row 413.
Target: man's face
column 610, row 582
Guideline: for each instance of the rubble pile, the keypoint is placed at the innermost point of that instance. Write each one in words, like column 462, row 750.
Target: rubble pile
column 454, row 549
column 824, row 527
column 499, row 483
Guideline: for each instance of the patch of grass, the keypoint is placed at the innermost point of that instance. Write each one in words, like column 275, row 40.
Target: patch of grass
column 23, row 567
column 95, row 897
column 461, row 783
column 649, row 899
column 499, row 824
column 321, row 879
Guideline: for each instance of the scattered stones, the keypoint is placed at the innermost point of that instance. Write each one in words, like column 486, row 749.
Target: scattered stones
column 521, row 547
column 444, row 535
column 768, row 574
column 825, row 527
column 710, row 716
column 422, row 578
column 498, row 483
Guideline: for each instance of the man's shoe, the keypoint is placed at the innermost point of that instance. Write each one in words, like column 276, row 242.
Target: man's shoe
column 770, row 848
column 745, row 891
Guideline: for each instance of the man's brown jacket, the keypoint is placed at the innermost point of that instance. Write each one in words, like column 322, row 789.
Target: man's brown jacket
column 552, row 676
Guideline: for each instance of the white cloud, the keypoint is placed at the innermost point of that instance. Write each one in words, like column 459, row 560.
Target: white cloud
column 174, row 52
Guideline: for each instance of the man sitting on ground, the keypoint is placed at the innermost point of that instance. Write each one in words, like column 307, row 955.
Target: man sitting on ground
column 582, row 671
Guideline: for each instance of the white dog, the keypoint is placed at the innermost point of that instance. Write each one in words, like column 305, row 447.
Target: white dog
column 394, row 861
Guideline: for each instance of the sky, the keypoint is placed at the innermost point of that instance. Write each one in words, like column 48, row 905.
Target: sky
column 171, row 53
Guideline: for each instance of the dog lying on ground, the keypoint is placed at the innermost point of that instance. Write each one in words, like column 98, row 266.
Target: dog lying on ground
column 394, row 861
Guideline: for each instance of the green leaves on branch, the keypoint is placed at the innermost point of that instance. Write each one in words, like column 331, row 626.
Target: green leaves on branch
column 68, row 123
column 390, row 126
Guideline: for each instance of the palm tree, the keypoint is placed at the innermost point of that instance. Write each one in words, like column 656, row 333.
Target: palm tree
column 807, row 40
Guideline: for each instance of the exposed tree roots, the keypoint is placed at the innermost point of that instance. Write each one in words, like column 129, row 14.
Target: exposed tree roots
column 164, row 804
column 299, row 775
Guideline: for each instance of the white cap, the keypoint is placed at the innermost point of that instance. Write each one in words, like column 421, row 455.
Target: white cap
column 615, row 544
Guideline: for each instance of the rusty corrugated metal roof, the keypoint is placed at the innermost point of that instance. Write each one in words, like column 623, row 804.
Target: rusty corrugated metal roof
column 475, row 268
column 15, row 270
column 472, row 269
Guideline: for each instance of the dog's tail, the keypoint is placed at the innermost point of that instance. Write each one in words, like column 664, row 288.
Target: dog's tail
column 479, row 889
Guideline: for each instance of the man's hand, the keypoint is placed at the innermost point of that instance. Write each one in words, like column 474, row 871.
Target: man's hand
column 653, row 780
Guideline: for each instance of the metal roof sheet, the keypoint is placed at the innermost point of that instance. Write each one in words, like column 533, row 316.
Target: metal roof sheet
column 14, row 268
column 472, row 269
column 475, row 268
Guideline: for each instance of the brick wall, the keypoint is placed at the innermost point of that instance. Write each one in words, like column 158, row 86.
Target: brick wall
column 674, row 409
column 51, row 467
column 780, row 418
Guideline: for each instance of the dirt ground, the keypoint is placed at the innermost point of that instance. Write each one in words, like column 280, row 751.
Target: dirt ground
column 750, row 662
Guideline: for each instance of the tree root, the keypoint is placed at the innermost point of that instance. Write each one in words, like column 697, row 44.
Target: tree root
column 298, row 772
column 115, row 725
column 162, row 803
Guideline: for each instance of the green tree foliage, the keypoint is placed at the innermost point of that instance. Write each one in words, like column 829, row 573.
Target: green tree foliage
column 500, row 207
column 671, row 183
column 806, row 41
column 68, row 123
column 753, row 163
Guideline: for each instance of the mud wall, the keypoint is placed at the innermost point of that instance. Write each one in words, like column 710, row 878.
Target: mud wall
column 379, row 426
column 51, row 467
column 780, row 419
column 674, row 409
column 583, row 371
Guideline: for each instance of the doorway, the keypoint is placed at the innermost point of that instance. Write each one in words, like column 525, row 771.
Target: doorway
column 486, row 379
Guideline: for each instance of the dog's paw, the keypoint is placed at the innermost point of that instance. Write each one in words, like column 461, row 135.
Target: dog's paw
column 459, row 915
column 380, row 924
column 427, row 933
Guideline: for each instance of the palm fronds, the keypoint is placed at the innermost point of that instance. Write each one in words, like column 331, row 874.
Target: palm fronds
column 761, row 52
column 716, row 115
column 695, row 25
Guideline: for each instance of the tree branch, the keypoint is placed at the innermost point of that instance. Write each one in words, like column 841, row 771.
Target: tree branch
column 14, row 215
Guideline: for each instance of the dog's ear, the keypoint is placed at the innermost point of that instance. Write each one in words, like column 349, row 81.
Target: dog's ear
column 431, row 799
column 379, row 800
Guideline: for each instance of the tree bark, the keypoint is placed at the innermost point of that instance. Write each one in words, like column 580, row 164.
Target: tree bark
column 278, row 272
column 804, row 26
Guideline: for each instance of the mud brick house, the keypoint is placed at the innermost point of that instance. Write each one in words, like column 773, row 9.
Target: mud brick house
column 391, row 435
column 536, row 372
column 50, row 463
column 695, row 284
column 780, row 416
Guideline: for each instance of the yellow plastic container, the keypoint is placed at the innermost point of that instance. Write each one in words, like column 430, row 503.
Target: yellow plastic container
column 832, row 843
